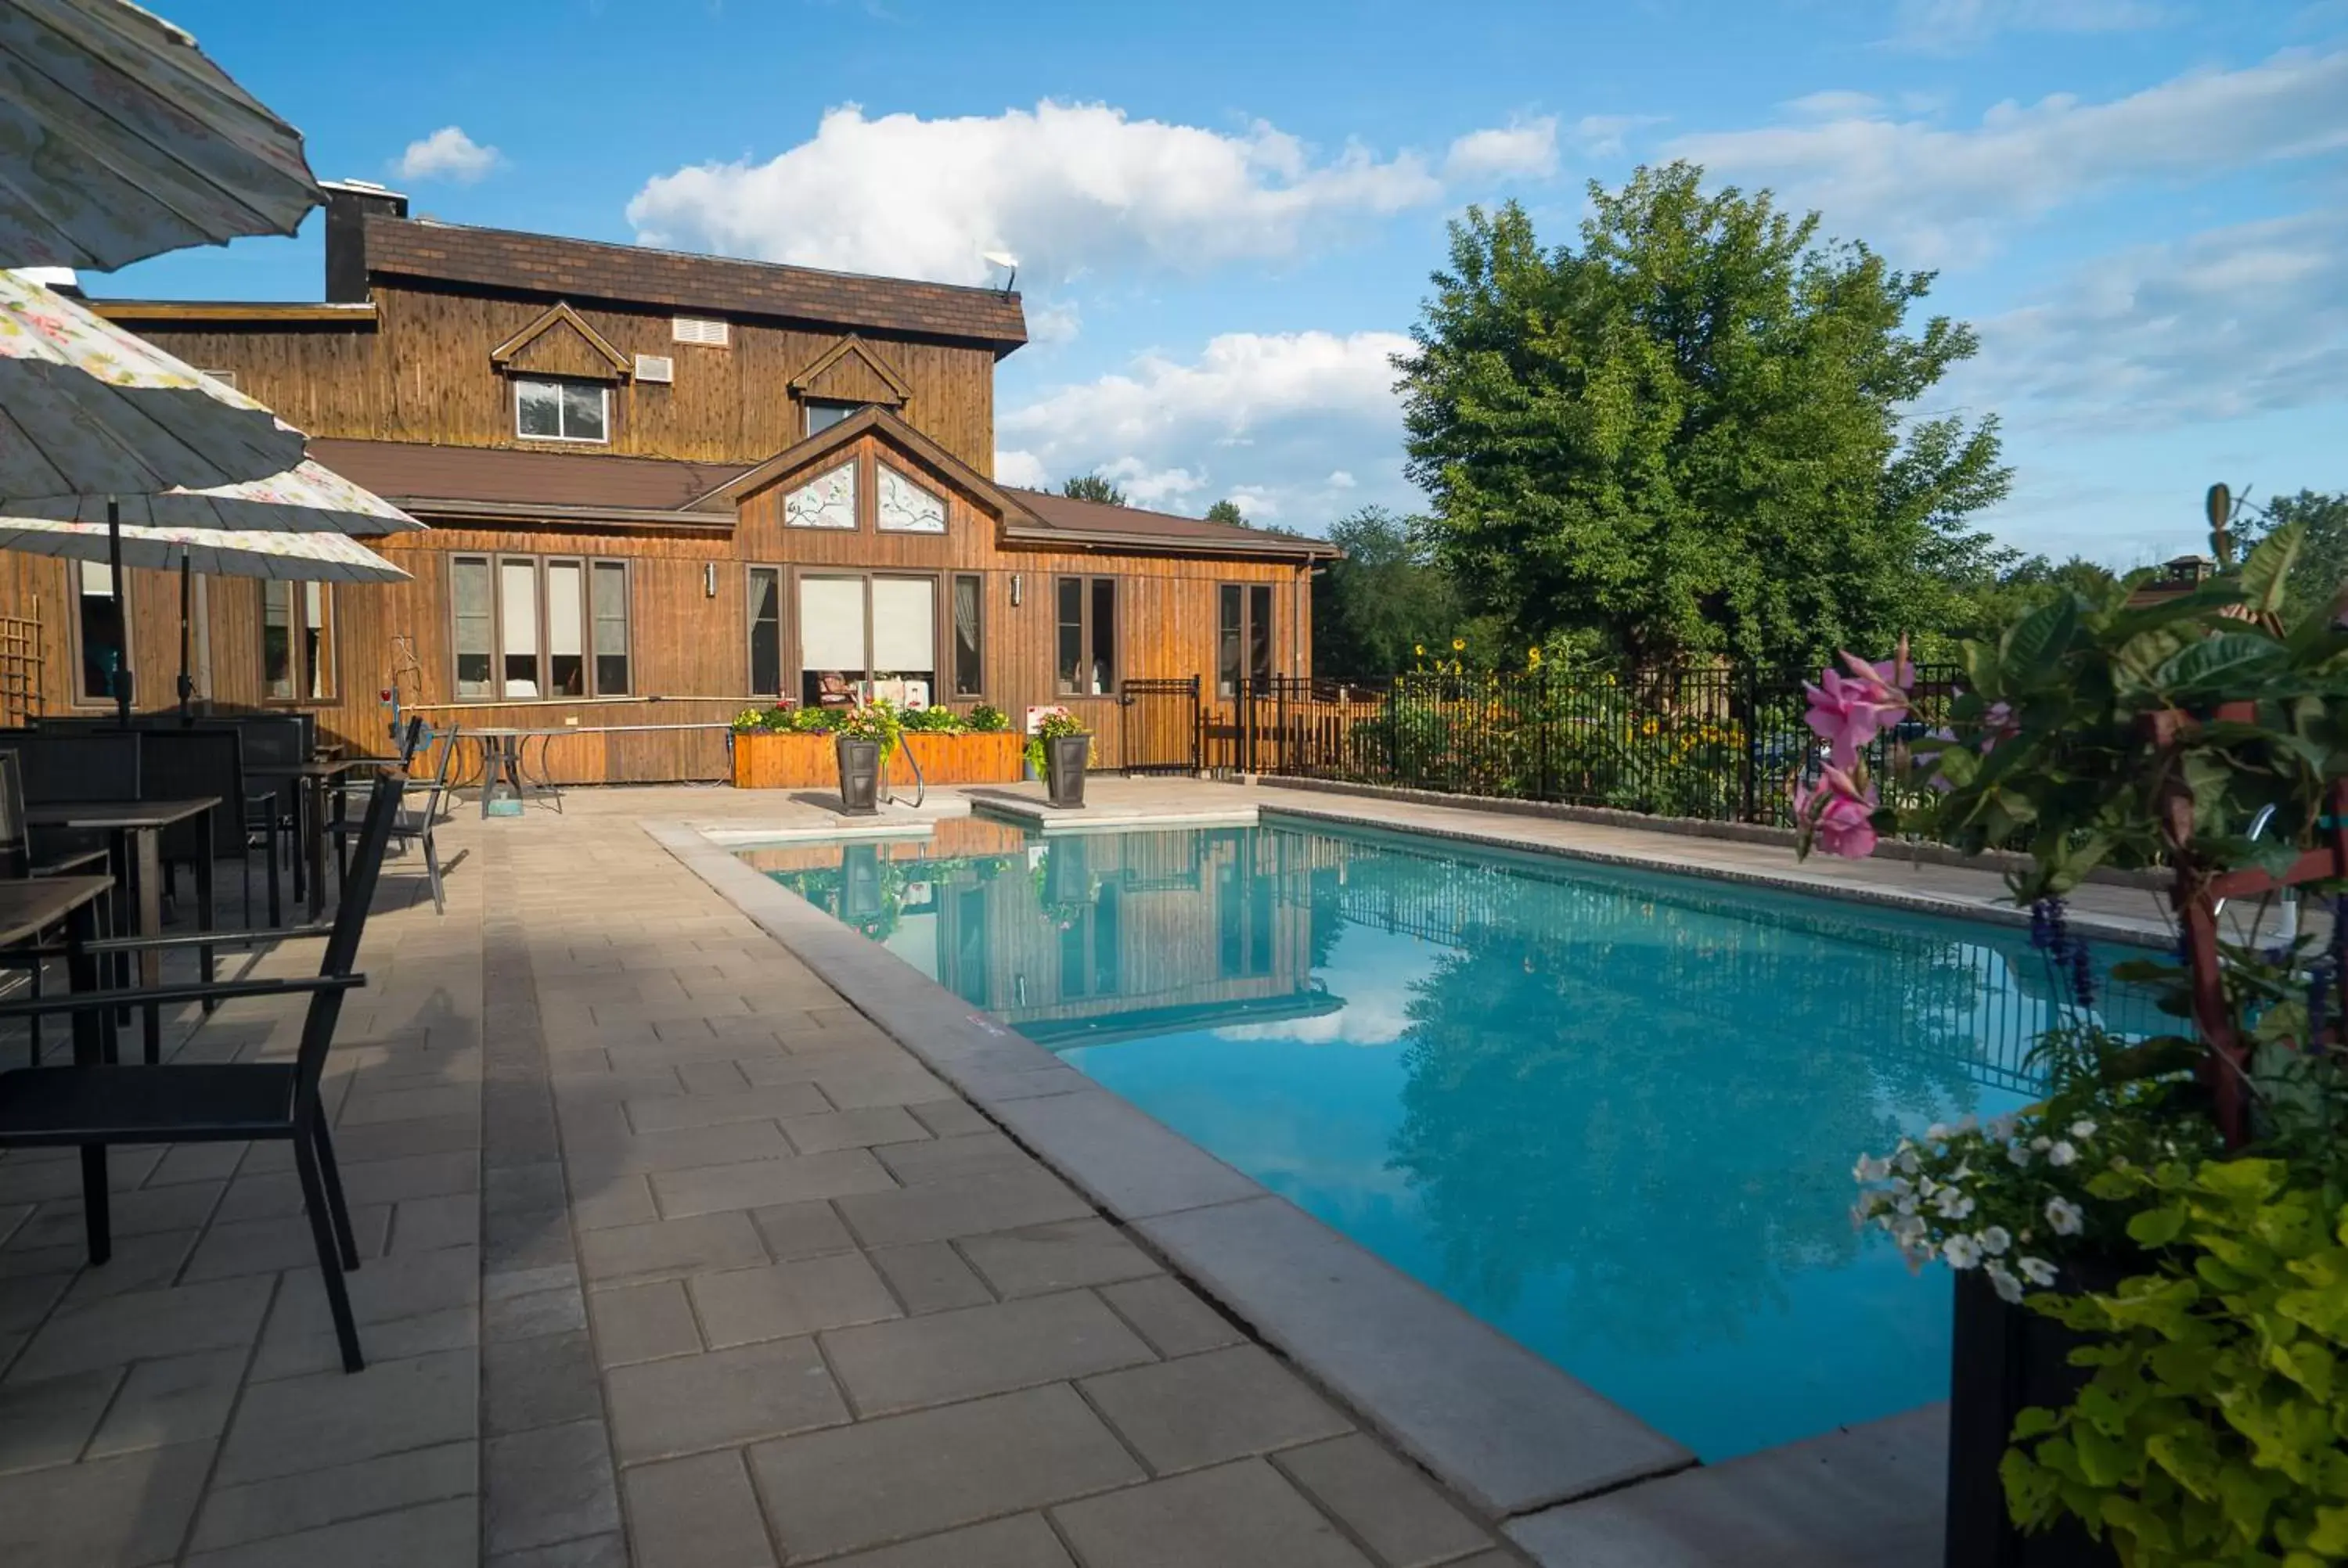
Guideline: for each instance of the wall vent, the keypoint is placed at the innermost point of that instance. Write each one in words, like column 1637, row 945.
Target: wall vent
column 225, row 377
column 656, row 367
column 698, row 329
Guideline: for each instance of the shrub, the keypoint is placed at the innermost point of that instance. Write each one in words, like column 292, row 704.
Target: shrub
column 988, row 720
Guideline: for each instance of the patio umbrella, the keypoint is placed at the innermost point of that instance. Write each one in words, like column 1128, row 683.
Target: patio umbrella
column 307, row 498
column 120, row 140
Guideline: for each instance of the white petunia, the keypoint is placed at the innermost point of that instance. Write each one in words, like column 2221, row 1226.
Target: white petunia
column 2042, row 1143
column 2083, row 1128
column 2019, row 1152
column 1870, row 1169
column 1953, row 1203
column 1904, row 1204
column 1995, row 1240
column 2008, row 1288
column 2000, row 1128
column 2037, row 1270
column 1908, row 1230
column 1962, row 1252
column 1907, row 1161
column 2061, row 1154
column 2065, row 1216
column 1938, row 1131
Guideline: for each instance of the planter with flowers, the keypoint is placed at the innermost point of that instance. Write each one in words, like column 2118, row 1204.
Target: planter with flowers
column 1059, row 750
column 2151, row 1357
column 791, row 747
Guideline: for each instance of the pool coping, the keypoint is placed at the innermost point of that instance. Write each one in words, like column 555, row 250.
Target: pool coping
column 1509, row 1432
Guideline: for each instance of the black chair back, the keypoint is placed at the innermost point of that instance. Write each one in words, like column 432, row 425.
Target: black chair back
column 80, row 765
column 350, row 925
column 184, row 764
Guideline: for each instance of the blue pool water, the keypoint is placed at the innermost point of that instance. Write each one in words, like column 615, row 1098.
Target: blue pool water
column 1612, row 1114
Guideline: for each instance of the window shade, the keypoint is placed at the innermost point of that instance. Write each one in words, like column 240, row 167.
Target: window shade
column 904, row 623
column 831, row 623
column 565, row 626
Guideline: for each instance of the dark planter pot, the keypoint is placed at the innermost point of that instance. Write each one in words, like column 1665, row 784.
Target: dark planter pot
column 859, row 776
column 1064, row 769
column 2004, row 1359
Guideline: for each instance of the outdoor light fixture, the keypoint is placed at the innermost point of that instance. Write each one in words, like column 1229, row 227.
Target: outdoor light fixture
column 709, row 580
column 1014, row 590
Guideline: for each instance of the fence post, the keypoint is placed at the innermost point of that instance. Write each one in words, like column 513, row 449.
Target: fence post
column 1750, row 724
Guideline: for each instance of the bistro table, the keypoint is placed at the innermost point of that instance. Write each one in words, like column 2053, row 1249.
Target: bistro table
column 135, row 831
column 33, row 905
column 314, row 777
column 502, row 759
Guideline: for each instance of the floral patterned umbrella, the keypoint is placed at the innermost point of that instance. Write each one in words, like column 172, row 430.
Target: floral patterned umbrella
column 120, row 140
column 218, row 552
column 89, row 410
column 305, row 498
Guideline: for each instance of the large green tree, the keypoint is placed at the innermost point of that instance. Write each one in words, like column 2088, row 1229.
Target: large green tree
column 2322, row 553
column 1693, row 433
column 1385, row 598
column 1093, row 488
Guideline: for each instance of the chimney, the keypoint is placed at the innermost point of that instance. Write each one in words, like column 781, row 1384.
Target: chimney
column 349, row 204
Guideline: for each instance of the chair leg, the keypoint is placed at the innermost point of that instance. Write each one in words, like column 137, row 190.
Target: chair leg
column 97, row 1217
column 330, row 1176
column 276, row 907
column 432, row 872
column 32, row 1025
column 322, row 1231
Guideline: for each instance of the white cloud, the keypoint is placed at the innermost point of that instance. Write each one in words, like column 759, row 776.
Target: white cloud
column 1070, row 188
column 1527, row 147
column 1834, row 104
column 1054, row 321
column 1949, row 26
column 1275, row 420
column 2228, row 324
column 1933, row 196
column 448, row 154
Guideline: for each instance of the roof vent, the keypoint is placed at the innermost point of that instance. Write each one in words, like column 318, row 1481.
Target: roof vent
column 702, row 330
column 656, row 367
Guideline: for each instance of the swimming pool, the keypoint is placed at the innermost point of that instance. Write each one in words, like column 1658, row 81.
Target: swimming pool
column 1614, row 1114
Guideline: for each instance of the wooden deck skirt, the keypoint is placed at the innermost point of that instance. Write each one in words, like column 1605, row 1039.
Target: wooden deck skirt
column 803, row 762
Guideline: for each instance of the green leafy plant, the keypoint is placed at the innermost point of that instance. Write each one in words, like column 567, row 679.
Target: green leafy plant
column 2214, row 1431
column 1057, row 724
column 879, row 720
column 988, row 720
column 932, row 721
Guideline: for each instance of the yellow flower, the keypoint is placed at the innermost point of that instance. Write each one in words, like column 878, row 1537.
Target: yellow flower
column 1458, row 645
column 1532, row 658
column 1419, row 649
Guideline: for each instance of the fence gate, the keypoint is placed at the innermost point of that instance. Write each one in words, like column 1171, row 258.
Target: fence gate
column 1161, row 720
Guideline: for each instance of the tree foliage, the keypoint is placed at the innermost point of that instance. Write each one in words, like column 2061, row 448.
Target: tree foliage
column 1228, row 511
column 1693, row 433
column 2323, row 548
column 1093, row 487
column 1385, row 598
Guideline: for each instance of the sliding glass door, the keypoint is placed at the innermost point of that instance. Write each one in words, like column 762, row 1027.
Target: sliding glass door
column 866, row 636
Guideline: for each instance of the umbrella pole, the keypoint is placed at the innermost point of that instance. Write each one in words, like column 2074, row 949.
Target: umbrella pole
column 121, row 612
column 187, row 683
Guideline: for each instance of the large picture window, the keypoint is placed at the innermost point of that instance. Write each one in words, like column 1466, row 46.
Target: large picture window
column 867, row 635
column 530, row 627
column 297, row 641
column 561, row 410
column 101, row 642
column 1086, row 647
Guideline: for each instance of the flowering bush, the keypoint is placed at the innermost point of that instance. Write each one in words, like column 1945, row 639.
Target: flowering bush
column 1056, row 724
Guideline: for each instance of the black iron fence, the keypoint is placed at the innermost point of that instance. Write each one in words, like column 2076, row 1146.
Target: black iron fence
column 1719, row 741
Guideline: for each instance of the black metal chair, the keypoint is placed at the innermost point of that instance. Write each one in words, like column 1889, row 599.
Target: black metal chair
column 275, row 739
column 20, row 857
column 414, row 826
column 80, row 766
column 208, row 760
column 94, row 1107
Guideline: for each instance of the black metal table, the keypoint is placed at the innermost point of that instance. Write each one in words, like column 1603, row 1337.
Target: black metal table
column 135, row 846
column 32, row 906
column 316, row 777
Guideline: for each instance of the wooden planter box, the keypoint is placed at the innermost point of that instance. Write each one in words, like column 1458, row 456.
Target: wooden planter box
column 805, row 762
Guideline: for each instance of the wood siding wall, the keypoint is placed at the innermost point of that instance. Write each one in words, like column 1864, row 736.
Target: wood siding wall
column 422, row 373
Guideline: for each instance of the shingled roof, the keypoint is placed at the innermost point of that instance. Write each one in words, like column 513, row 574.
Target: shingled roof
column 1086, row 521
column 589, row 268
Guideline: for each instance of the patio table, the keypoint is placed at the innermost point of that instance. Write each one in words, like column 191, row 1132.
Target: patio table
column 501, row 758
column 314, row 777
column 135, row 828
column 32, row 906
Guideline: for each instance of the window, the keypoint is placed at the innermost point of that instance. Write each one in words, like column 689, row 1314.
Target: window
column 1242, row 637
column 297, row 641
column 104, row 641
column 561, row 410
column 765, row 632
column 969, row 630
column 528, row 628
column 822, row 413
column 1086, row 648
column 869, row 636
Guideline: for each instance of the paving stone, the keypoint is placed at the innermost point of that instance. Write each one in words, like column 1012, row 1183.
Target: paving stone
column 219, row 1316
column 784, row 1299
column 140, row 1263
column 544, row 1382
column 621, row 1201
column 1171, row 1316
column 538, row 1312
column 1204, row 1410
column 593, row 1159
column 329, row 1419
column 977, row 1350
column 36, row 1181
column 23, row 1303
column 420, row 1225
column 291, row 1354
column 853, row 1128
column 762, row 1183
column 1386, row 1501
column 930, row 1276
column 1060, row 1257
column 1132, row 1163
column 45, row 1422
column 802, row 1230
column 856, row 1090
column 704, row 1109
column 124, row 1513
column 550, row 1485
column 642, row 1323
column 446, row 1532
column 393, row 1181
column 453, row 1100
column 691, row 1403
column 912, row 1475
column 594, row 1552
column 1023, row 1541
column 179, row 1399
column 951, row 1118
column 955, row 1158
column 1243, row 1515
column 671, row 1246
column 404, row 1139
column 996, row 1201
column 697, row 1513
column 292, row 1505
column 142, row 1212
column 195, row 1162
column 269, row 1247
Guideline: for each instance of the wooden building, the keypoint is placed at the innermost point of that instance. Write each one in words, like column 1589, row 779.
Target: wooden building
column 662, row 489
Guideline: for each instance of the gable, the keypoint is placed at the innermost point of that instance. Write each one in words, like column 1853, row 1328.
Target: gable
column 851, row 371
column 560, row 342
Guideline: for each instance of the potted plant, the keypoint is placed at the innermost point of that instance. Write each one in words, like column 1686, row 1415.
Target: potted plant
column 1060, row 751
column 866, row 738
column 2152, row 1263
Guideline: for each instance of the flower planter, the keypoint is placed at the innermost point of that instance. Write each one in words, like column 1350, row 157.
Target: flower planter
column 859, row 775
column 786, row 761
column 2004, row 1360
column 1065, row 757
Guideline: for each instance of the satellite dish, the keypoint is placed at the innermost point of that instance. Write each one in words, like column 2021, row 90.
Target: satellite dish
column 1002, row 259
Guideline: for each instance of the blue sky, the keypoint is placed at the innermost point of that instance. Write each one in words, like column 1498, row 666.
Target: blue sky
column 1226, row 212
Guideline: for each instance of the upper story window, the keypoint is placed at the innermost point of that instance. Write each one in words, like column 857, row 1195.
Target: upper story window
column 561, row 410
column 823, row 413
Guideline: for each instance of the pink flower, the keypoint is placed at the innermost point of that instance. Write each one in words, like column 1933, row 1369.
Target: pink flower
column 1850, row 710
column 1837, row 815
column 1998, row 723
